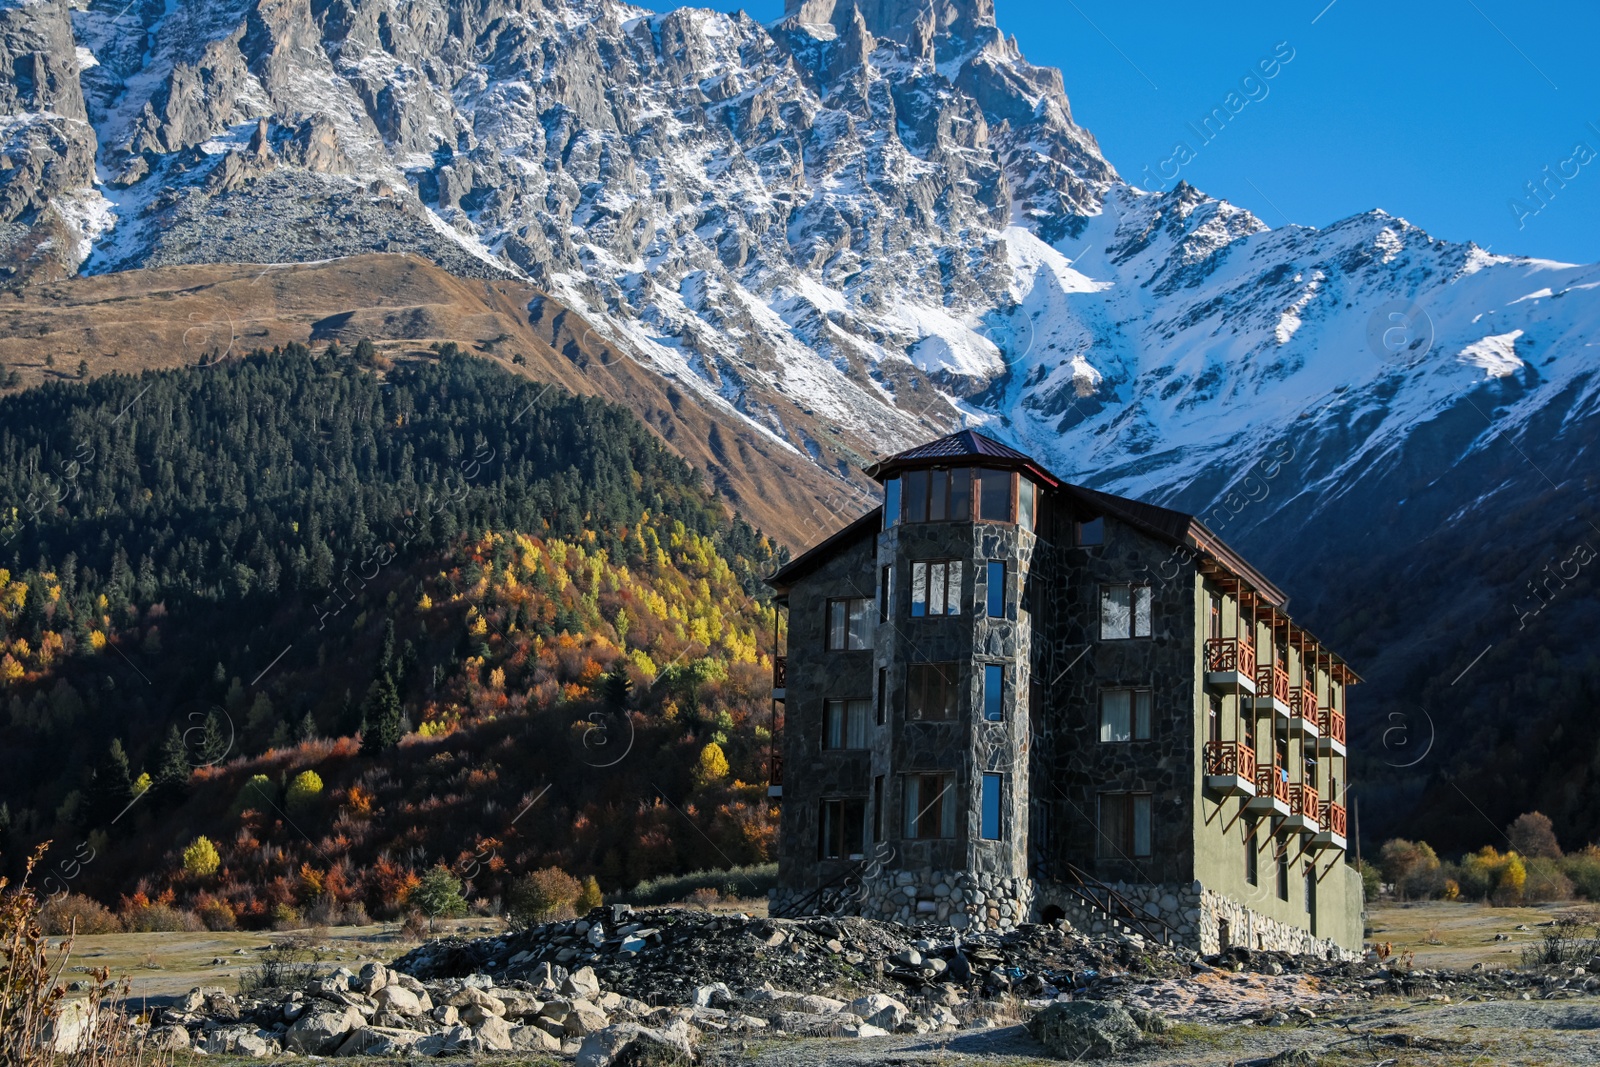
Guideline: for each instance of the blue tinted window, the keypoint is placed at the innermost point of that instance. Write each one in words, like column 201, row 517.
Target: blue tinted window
column 989, row 829
column 993, row 691
column 891, row 501
column 997, row 589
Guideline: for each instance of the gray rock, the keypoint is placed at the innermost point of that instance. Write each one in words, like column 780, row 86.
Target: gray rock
column 321, row 1030
column 880, row 1010
column 494, row 1034
column 168, row 1039
column 399, row 1000
column 380, row 1041
column 631, row 1045
column 373, row 977
column 1085, row 1029
column 582, row 983
column 533, row 1039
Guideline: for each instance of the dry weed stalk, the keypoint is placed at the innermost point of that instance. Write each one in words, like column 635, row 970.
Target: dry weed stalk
column 39, row 1026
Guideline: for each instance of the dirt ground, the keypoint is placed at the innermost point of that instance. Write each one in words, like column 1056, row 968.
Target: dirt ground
column 1456, row 935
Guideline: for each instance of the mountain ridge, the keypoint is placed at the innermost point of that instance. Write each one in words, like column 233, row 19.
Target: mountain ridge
column 858, row 227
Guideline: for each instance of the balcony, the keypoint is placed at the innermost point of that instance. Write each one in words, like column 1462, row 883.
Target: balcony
column 1230, row 661
column 1272, row 791
column 1303, row 711
column 1303, row 811
column 1332, row 831
column 775, row 782
column 1272, row 690
column 780, row 677
column 1231, row 768
column 1331, row 726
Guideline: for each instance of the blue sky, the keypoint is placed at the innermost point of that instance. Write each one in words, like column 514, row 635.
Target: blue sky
column 1440, row 111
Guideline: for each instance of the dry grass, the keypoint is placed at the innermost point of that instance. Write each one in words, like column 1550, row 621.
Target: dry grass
column 1457, row 935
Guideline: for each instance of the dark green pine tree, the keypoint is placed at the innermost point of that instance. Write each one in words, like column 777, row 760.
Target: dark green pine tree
column 307, row 730
column 386, row 650
column 385, row 718
column 617, row 686
column 170, row 784
column 214, row 741
column 110, row 786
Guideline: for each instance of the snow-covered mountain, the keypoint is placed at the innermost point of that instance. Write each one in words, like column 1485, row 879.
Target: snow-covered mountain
column 848, row 231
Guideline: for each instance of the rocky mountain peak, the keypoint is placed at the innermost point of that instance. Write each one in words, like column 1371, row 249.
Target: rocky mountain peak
column 902, row 21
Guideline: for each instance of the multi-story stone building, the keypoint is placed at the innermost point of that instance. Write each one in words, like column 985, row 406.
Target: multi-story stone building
column 1009, row 699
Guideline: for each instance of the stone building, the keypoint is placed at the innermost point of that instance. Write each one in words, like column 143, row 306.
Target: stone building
column 1010, row 699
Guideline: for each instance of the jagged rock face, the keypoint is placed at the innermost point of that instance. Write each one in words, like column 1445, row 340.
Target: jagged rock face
column 46, row 143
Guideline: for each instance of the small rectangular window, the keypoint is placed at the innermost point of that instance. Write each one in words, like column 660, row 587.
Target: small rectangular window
column 1283, row 873
column 1026, row 503
column 1252, row 864
column 996, row 596
column 847, row 624
column 938, row 495
column 844, row 724
column 930, row 807
column 935, row 587
column 1310, row 901
column 885, row 592
column 994, row 496
column 891, row 502
column 1124, row 715
column 994, row 692
column 883, row 693
column 989, row 823
column 877, row 808
column 1091, row 532
column 842, row 826
column 931, row 691
column 1124, row 825
column 1125, row 612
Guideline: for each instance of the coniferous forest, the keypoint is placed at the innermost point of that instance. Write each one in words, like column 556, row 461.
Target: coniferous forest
column 282, row 633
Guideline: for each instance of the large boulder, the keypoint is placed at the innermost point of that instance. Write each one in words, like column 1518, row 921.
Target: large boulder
column 879, row 1009
column 519, row 1003
column 469, row 997
column 380, row 1041
column 373, row 977
column 399, row 1000
column 1085, row 1029
column 584, row 1018
column 494, row 1034
column 321, row 1030
column 631, row 1045
column 533, row 1039
column 167, row 1039
column 455, row 1039
column 582, row 983
column 239, row 1041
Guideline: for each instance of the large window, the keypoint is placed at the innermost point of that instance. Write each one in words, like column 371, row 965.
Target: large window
column 929, row 496
column 1027, row 504
column 989, row 820
column 995, row 597
column 1124, row 715
column 994, row 496
column 930, row 805
column 1124, row 612
column 1124, row 825
column 842, row 829
column 931, row 691
column 994, row 692
column 848, row 624
column 935, row 587
column 844, row 724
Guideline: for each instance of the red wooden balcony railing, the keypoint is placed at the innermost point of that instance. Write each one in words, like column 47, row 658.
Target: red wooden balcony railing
column 1272, row 681
column 1271, row 781
column 1303, row 800
column 1230, row 654
column 1303, row 703
column 1333, row 818
column 1331, row 724
column 1231, row 757
column 780, row 672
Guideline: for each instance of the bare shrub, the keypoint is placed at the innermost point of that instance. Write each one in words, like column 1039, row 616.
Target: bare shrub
column 290, row 963
column 76, row 913
column 1571, row 938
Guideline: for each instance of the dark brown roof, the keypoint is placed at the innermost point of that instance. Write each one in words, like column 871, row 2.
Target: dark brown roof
column 966, row 443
